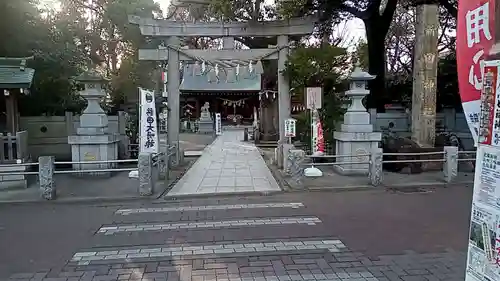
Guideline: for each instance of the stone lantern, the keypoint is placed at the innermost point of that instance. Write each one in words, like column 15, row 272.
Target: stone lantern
column 356, row 136
column 92, row 141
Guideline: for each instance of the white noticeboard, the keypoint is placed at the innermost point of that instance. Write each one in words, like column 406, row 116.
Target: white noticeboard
column 290, row 128
column 148, row 141
column 483, row 258
column 218, row 124
column 313, row 97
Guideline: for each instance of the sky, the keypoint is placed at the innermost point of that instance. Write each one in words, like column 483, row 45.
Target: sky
column 353, row 29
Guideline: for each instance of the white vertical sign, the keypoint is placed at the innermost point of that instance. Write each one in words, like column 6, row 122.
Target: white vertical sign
column 148, row 133
column 290, row 128
column 313, row 97
column 218, row 124
column 164, row 80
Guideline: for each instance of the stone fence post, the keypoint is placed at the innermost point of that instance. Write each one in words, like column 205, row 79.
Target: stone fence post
column 376, row 171
column 146, row 177
column 295, row 168
column 450, row 167
column 46, row 177
column 162, row 165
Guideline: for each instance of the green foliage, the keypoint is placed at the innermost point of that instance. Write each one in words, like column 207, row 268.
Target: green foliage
column 360, row 54
column 319, row 66
column 401, row 87
column 66, row 42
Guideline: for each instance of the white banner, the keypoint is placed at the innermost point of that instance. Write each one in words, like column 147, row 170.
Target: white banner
column 483, row 259
column 148, row 130
column 218, row 124
column 290, row 128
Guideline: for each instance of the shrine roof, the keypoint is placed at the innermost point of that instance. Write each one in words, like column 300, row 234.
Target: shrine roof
column 14, row 74
column 199, row 83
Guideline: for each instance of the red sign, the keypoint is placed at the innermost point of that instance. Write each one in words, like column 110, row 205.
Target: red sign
column 475, row 30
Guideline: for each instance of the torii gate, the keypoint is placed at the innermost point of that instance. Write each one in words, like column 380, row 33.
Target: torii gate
column 173, row 54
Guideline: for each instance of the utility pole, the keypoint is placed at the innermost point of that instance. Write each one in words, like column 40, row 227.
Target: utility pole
column 423, row 122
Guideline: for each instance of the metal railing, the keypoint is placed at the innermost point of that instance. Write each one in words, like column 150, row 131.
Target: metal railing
column 95, row 162
column 314, row 163
column 466, row 159
column 154, row 167
column 449, row 157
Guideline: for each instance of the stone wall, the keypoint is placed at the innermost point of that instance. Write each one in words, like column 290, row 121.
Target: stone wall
column 48, row 135
column 454, row 122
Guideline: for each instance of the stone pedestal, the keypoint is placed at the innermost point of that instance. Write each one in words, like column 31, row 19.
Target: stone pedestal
column 205, row 123
column 356, row 136
column 93, row 148
column 93, row 142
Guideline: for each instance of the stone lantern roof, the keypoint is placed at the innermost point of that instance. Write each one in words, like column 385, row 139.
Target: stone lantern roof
column 360, row 75
column 91, row 76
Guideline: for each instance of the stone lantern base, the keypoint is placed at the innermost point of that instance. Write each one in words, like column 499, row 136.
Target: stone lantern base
column 94, row 148
column 348, row 143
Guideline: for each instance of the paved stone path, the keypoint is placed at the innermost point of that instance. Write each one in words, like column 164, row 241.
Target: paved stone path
column 228, row 165
column 256, row 238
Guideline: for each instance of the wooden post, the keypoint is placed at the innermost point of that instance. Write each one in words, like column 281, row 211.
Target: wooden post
column 423, row 121
column 10, row 112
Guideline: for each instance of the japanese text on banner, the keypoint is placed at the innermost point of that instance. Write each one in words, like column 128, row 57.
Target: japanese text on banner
column 148, row 130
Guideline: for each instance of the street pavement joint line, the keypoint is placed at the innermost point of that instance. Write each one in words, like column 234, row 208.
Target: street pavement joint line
column 208, row 208
column 112, row 229
column 332, row 245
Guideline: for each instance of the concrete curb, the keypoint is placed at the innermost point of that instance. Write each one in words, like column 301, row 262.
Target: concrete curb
column 221, row 194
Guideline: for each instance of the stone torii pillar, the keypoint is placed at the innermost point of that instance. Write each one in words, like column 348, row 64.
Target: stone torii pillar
column 423, row 122
column 283, row 94
column 173, row 99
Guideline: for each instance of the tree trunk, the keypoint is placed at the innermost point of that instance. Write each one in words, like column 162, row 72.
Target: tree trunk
column 423, row 124
column 377, row 65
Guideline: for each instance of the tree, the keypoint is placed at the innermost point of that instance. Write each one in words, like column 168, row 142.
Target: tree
column 82, row 35
column 319, row 65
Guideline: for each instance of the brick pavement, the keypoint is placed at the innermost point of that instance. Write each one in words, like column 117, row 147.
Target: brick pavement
column 344, row 242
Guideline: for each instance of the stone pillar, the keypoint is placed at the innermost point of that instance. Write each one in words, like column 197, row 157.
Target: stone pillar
column 425, row 73
column 228, row 43
column 450, row 167
column 162, row 165
column 68, row 118
column 283, row 95
column 173, row 82
column 376, row 170
column 295, row 168
column 46, row 177
column 145, row 169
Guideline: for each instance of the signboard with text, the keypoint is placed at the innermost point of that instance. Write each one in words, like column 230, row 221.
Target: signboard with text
column 218, row 124
column 290, row 128
column 483, row 258
column 313, row 97
column 489, row 123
